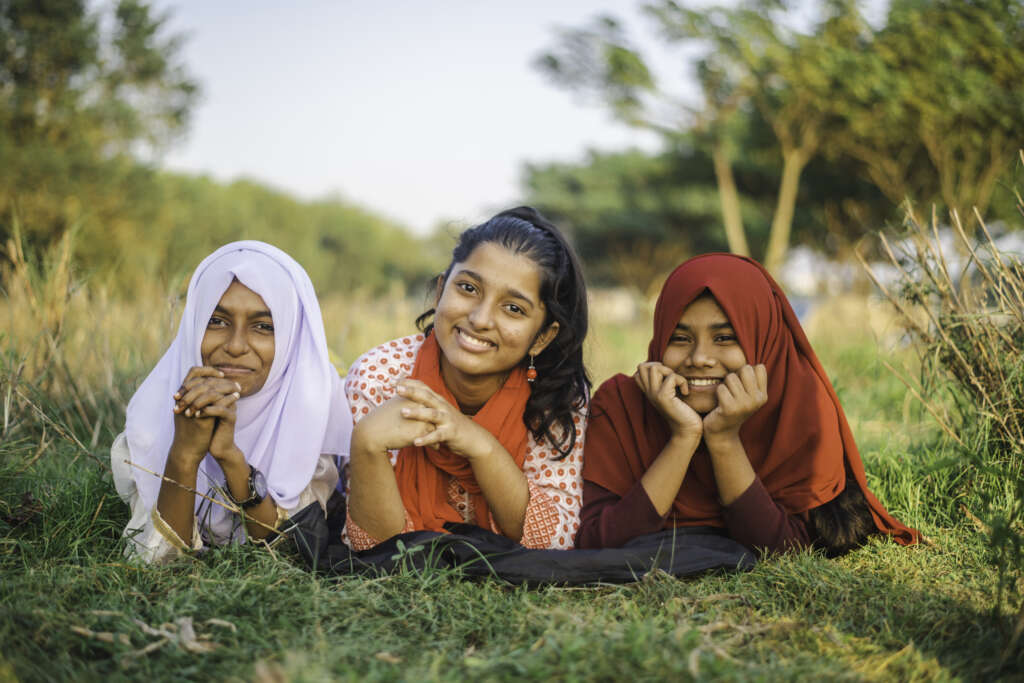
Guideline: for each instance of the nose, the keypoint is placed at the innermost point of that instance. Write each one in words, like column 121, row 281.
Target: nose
column 701, row 356
column 480, row 317
column 238, row 342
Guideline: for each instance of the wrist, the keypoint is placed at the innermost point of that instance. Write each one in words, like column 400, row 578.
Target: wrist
column 185, row 457
column 487, row 450
column 722, row 441
column 686, row 441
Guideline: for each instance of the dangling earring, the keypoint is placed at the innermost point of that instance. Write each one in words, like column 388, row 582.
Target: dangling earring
column 531, row 372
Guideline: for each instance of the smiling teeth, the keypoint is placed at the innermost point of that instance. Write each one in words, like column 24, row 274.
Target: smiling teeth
column 703, row 381
column 474, row 341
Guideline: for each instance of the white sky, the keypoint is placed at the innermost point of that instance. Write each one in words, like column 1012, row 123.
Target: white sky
column 422, row 111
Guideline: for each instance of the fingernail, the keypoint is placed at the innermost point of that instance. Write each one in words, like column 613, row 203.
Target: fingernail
column 188, row 412
column 237, row 395
column 400, row 389
column 199, row 412
column 221, row 374
column 239, row 386
column 177, row 395
column 405, row 412
column 418, row 442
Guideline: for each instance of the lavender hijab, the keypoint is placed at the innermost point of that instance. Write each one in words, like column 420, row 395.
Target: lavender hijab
column 300, row 412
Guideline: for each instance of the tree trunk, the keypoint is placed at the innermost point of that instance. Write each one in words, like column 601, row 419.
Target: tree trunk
column 730, row 198
column 793, row 162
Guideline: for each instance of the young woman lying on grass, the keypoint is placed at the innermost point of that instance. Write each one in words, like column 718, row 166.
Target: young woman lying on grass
column 731, row 423
column 479, row 419
column 244, row 407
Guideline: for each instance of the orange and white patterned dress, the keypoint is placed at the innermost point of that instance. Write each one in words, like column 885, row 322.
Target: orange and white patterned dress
column 555, row 486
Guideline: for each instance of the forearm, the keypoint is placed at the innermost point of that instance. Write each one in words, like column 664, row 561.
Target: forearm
column 608, row 521
column 176, row 503
column 733, row 473
column 261, row 519
column 374, row 502
column 504, row 488
column 663, row 478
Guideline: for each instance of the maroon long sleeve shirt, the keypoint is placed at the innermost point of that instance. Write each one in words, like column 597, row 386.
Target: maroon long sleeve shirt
column 753, row 519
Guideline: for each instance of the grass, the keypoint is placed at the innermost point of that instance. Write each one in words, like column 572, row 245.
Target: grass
column 72, row 609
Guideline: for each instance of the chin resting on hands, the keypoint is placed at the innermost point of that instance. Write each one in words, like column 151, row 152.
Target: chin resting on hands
column 740, row 395
column 662, row 387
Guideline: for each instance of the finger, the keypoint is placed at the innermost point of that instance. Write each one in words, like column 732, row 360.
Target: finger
column 204, row 386
column 415, row 390
column 734, row 384
column 423, row 413
column 762, row 377
column 432, row 438
column 225, row 386
column 224, row 409
column 209, row 398
column 198, row 372
column 748, row 378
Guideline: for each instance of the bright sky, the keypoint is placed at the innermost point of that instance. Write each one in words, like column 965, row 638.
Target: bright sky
column 422, row 111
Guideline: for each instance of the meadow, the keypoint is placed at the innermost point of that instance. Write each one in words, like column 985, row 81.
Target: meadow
column 71, row 607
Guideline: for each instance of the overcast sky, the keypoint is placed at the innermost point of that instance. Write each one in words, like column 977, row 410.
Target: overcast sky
column 422, row 111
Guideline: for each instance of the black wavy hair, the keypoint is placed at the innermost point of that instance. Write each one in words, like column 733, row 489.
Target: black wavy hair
column 562, row 384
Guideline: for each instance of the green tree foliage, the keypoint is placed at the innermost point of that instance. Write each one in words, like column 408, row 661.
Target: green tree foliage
column 85, row 96
column 926, row 107
column 934, row 109
column 635, row 215
column 82, row 92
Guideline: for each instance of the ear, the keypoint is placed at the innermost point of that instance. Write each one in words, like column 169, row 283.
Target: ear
column 438, row 289
column 544, row 338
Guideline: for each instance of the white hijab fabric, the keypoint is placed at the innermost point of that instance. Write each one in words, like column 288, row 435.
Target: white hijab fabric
column 299, row 413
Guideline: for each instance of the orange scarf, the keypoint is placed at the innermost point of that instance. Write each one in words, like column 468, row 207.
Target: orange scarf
column 423, row 472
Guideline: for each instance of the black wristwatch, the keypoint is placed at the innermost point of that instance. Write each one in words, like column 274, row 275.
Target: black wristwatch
column 257, row 490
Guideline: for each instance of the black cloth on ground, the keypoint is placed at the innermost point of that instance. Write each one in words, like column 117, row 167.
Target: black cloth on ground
column 479, row 553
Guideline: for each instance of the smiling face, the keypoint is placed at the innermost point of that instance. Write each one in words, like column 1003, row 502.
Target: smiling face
column 239, row 338
column 489, row 316
column 703, row 348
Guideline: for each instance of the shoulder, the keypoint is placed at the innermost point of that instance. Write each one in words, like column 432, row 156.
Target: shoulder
column 372, row 377
column 615, row 391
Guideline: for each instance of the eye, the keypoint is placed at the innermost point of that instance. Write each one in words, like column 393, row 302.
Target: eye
column 725, row 338
column 216, row 321
column 514, row 309
column 679, row 338
column 467, row 287
column 267, row 328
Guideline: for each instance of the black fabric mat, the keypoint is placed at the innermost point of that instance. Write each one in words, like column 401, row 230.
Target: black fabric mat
column 477, row 552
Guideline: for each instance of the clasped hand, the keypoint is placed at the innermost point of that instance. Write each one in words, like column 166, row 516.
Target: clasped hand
column 419, row 416
column 740, row 394
column 204, row 414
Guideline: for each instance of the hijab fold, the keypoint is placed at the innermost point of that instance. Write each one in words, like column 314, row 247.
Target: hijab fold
column 799, row 443
column 299, row 413
column 423, row 472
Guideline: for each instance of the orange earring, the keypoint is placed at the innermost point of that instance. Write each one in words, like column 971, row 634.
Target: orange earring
column 531, row 372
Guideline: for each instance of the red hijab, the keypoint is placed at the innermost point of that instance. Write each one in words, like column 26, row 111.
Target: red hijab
column 423, row 473
column 798, row 443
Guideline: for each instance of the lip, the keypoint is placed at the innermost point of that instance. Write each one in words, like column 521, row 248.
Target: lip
column 229, row 370
column 472, row 343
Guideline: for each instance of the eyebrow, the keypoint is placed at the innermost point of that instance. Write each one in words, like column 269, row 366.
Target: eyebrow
column 714, row 326
column 515, row 293
column 252, row 316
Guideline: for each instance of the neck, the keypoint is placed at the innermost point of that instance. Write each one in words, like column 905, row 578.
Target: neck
column 471, row 392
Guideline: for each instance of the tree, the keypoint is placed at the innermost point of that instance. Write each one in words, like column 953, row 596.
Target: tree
column 935, row 109
column 82, row 94
column 927, row 107
column 754, row 62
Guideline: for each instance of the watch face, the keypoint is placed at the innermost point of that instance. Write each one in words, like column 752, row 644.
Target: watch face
column 259, row 484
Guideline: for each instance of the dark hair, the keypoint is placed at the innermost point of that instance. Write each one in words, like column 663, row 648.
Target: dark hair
column 562, row 384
